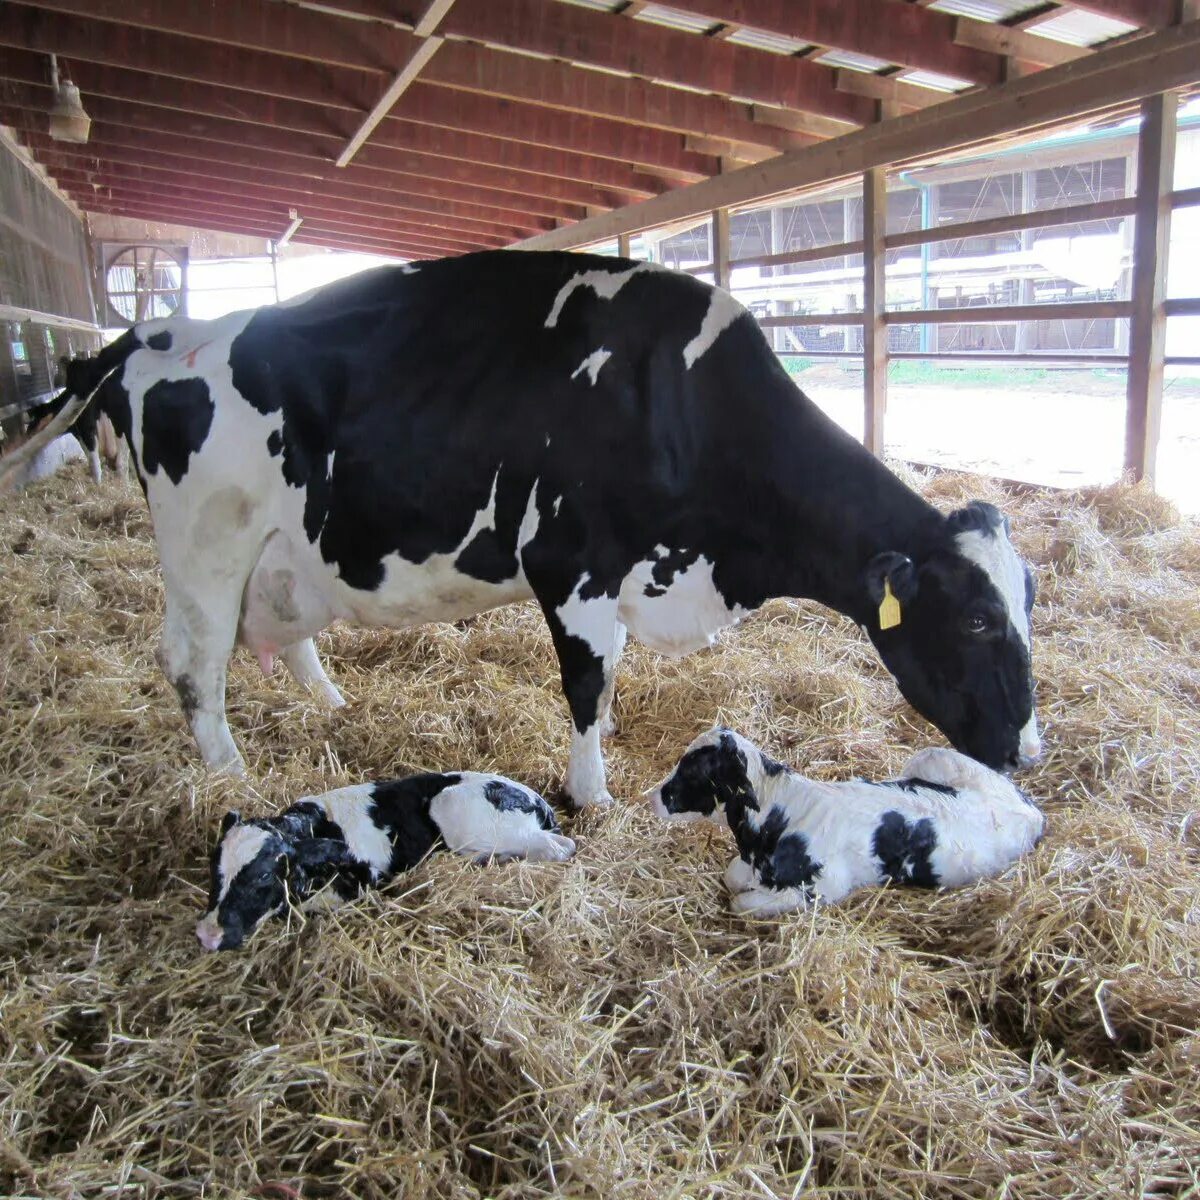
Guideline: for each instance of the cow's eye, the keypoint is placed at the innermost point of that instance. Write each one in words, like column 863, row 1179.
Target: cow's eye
column 976, row 623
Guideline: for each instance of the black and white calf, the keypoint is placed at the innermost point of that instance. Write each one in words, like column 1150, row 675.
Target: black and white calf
column 616, row 440
column 948, row 820
column 340, row 843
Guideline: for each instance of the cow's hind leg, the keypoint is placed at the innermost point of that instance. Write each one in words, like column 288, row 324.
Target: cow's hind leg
column 302, row 661
column 198, row 636
column 608, row 724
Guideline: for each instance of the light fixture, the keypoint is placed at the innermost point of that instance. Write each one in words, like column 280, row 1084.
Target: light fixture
column 68, row 121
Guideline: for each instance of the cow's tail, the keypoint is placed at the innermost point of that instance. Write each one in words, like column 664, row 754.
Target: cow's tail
column 85, row 379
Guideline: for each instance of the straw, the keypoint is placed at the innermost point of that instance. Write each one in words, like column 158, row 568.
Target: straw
column 605, row 1028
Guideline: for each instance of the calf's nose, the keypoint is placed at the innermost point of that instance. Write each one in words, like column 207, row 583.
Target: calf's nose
column 209, row 933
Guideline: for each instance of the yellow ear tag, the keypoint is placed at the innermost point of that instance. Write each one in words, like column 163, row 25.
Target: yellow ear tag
column 889, row 608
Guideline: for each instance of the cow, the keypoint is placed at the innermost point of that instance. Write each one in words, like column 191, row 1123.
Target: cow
column 425, row 441
column 946, row 821
column 334, row 846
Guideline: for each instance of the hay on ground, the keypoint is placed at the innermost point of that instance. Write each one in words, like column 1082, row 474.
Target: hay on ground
column 605, row 1028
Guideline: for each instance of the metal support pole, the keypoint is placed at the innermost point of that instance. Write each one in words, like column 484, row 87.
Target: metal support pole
column 875, row 333
column 1148, row 321
column 720, row 247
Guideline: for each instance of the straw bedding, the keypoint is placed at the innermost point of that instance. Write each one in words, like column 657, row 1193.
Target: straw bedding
column 604, row 1028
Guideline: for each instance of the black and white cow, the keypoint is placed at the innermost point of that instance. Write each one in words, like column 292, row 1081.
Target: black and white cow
column 423, row 442
column 947, row 821
column 334, row 846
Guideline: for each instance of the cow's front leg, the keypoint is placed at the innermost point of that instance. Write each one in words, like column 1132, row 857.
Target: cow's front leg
column 198, row 636
column 584, row 638
column 302, row 661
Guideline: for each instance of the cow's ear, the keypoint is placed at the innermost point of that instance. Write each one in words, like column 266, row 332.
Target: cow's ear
column 230, row 819
column 978, row 516
column 314, row 853
column 896, row 570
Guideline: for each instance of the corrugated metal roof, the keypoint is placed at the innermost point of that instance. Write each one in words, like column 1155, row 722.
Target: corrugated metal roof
column 986, row 10
column 854, row 62
column 659, row 14
column 1082, row 28
column 931, row 79
column 774, row 42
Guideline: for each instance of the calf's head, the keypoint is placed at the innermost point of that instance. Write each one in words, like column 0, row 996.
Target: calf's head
column 256, row 868
column 960, row 650
column 713, row 773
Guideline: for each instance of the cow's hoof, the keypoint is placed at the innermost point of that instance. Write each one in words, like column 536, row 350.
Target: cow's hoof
column 596, row 800
column 233, row 767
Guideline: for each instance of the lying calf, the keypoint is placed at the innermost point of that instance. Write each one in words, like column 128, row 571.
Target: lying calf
column 356, row 837
column 947, row 820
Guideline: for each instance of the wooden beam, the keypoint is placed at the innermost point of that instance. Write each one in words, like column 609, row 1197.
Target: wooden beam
column 231, row 142
column 720, row 247
column 384, row 105
column 231, row 167
column 875, row 332
column 255, row 227
column 1013, row 43
column 812, row 254
column 798, row 122
column 1106, row 80
column 264, row 72
column 1047, row 218
column 888, row 90
column 496, row 73
column 781, row 322
column 382, row 224
column 723, row 149
column 1148, row 286
column 272, row 214
column 653, row 52
column 986, row 314
column 904, row 34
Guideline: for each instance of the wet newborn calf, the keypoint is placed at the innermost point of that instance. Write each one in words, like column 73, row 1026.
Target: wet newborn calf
column 948, row 820
column 347, row 840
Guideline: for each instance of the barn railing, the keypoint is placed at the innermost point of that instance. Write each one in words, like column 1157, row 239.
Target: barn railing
column 44, row 339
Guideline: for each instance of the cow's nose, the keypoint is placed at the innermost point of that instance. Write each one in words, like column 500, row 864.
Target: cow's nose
column 654, row 798
column 209, row 933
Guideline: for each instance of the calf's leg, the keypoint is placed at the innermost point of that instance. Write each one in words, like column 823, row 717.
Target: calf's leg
column 768, row 902
column 302, row 661
column 739, row 875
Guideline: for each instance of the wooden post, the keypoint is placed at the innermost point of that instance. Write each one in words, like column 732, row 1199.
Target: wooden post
column 624, row 245
column 720, row 246
column 1148, row 321
column 875, row 333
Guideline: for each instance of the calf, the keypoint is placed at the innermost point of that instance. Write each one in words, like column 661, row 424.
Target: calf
column 947, row 820
column 347, row 840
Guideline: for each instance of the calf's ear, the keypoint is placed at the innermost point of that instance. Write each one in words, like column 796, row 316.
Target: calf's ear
column 897, row 570
column 230, row 819
column 313, row 853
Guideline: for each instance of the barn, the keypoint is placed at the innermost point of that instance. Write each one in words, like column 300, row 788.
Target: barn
column 855, row 172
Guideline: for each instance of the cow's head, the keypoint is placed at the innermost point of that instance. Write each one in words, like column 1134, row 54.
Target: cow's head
column 960, row 651
column 713, row 773
column 256, row 867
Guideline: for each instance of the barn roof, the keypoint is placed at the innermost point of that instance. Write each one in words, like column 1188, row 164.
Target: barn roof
column 428, row 127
